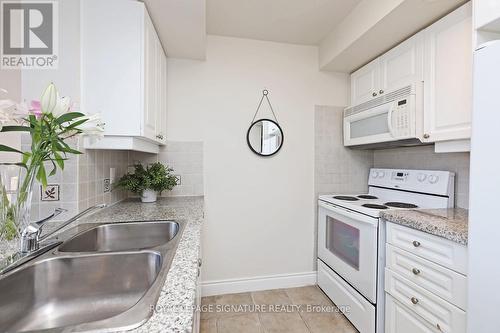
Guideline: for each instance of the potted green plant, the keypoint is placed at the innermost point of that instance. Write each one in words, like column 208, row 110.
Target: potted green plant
column 149, row 181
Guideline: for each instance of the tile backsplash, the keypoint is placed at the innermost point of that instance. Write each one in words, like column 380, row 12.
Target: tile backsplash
column 186, row 158
column 337, row 168
column 424, row 157
column 82, row 182
column 93, row 169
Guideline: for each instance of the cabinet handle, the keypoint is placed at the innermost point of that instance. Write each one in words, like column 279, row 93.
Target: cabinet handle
column 426, row 136
column 416, row 243
column 159, row 136
column 374, row 94
column 199, row 262
column 381, row 92
column 414, row 300
column 415, row 271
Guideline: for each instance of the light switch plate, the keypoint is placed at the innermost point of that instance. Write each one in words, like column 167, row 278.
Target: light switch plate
column 50, row 193
column 107, row 185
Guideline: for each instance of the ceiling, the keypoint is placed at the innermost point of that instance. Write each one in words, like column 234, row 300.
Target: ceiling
column 180, row 25
column 288, row 21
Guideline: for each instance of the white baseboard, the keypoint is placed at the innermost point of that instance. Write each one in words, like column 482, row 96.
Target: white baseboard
column 230, row 286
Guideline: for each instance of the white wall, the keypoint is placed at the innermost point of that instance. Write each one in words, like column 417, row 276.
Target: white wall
column 259, row 211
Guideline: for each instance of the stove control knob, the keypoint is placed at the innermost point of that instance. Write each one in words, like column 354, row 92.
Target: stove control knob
column 374, row 174
column 381, row 174
column 433, row 179
column 421, row 177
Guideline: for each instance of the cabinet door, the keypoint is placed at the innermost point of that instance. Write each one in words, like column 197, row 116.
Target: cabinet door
column 448, row 77
column 365, row 83
column 403, row 65
column 161, row 118
column 150, row 79
column 399, row 319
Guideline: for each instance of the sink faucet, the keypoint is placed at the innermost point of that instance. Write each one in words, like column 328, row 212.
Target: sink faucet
column 30, row 237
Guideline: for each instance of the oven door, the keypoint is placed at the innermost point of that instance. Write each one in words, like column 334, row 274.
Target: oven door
column 347, row 242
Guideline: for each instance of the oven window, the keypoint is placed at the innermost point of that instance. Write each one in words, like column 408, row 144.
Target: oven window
column 369, row 126
column 343, row 241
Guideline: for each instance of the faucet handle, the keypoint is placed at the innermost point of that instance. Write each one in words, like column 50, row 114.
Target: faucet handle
column 56, row 212
column 31, row 234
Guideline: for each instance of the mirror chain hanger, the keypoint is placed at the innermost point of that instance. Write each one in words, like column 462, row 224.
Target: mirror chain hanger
column 265, row 92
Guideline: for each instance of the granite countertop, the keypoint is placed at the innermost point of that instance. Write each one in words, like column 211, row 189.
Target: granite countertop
column 174, row 311
column 449, row 223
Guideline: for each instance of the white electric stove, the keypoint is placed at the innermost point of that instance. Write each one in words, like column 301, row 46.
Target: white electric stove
column 351, row 241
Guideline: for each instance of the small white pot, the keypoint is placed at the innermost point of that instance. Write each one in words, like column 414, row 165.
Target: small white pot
column 148, row 196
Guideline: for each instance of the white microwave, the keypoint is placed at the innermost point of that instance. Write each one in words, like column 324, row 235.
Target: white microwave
column 394, row 119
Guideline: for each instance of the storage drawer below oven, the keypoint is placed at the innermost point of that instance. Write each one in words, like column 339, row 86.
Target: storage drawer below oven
column 359, row 311
column 443, row 282
column 435, row 310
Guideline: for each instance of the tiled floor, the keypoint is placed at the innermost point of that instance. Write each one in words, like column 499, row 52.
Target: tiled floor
column 294, row 310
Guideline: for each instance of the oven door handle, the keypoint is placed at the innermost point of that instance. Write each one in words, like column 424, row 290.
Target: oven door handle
column 337, row 210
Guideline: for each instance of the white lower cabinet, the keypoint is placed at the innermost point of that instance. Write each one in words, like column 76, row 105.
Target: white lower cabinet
column 425, row 282
column 400, row 319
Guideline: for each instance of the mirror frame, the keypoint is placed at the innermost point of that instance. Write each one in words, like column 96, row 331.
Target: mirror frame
column 282, row 137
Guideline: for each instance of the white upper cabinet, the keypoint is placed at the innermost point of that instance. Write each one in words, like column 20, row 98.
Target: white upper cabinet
column 403, row 65
column 448, row 77
column 124, row 74
column 441, row 57
column 365, row 83
column 487, row 14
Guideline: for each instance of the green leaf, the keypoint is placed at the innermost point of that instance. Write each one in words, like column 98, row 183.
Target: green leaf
column 59, row 160
column 9, row 149
column 76, row 123
column 69, row 117
column 16, row 129
column 41, row 176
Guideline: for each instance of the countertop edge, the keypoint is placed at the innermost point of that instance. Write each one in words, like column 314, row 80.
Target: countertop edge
column 430, row 222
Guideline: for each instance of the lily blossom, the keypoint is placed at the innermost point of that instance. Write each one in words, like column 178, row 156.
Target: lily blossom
column 36, row 108
column 63, row 105
column 49, row 99
column 93, row 125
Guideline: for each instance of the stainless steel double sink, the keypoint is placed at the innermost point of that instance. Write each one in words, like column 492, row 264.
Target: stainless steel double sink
column 107, row 277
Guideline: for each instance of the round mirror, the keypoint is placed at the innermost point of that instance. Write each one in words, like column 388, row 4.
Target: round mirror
column 265, row 137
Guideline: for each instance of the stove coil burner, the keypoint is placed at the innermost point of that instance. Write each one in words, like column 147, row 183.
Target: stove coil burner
column 345, row 198
column 400, row 205
column 366, row 196
column 375, row 206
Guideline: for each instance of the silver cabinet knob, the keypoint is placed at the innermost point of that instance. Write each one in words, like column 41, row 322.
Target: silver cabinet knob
column 159, row 136
column 415, row 271
column 416, row 243
column 374, row 94
column 426, row 136
column 381, row 92
column 414, row 300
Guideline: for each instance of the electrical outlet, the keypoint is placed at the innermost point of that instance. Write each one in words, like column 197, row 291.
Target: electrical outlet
column 178, row 179
column 107, row 185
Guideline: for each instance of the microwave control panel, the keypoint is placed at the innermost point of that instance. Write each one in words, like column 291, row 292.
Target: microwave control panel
column 401, row 118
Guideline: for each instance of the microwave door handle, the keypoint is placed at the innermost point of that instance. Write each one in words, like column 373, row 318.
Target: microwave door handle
column 389, row 120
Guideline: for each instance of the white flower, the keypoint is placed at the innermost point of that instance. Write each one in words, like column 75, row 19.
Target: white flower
column 6, row 116
column 62, row 106
column 49, row 99
column 93, row 126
